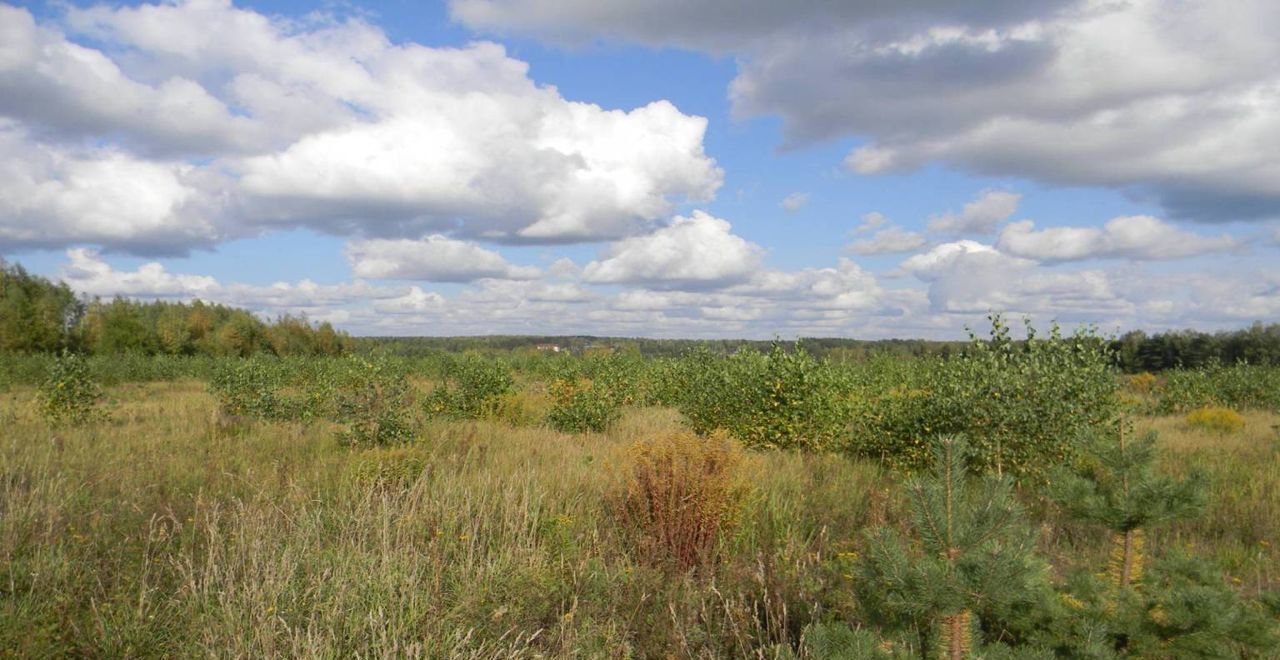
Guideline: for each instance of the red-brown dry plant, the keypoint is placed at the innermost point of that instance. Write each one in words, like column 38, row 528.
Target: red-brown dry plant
column 683, row 496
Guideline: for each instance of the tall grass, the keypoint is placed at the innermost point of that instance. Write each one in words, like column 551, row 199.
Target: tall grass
column 157, row 535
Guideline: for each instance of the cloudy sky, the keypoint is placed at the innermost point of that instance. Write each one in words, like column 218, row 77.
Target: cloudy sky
column 737, row 168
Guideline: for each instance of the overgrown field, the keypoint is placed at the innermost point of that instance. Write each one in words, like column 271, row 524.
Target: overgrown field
column 755, row 505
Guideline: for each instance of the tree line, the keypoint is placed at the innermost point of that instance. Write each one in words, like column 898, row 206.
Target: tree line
column 40, row 316
column 1137, row 351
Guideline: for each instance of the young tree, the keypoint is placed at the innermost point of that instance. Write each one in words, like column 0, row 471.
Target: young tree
column 968, row 565
column 1181, row 606
column 1117, row 487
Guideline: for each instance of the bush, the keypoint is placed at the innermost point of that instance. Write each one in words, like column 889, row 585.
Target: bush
column 68, row 395
column 779, row 399
column 1239, row 386
column 1020, row 405
column 582, row 405
column 683, row 495
column 1143, row 383
column 372, row 399
column 473, row 389
column 1217, row 420
column 248, row 387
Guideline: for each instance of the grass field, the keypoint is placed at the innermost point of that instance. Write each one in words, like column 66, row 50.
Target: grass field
column 159, row 533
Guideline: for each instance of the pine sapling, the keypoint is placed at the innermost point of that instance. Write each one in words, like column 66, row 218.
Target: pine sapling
column 968, row 566
column 1117, row 487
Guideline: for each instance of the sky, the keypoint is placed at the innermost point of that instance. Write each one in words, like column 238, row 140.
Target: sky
column 723, row 168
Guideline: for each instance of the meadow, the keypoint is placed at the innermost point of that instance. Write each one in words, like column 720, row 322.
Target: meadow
column 605, row 506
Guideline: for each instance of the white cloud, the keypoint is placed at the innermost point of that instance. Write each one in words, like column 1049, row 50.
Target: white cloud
column 1177, row 102
column 334, row 127
column 870, row 221
column 1130, row 237
column 970, row 277
column 416, row 301
column 433, row 258
column 981, row 216
column 794, row 202
column 89, row 273
column 698, row 251
column 888, row 241
column 52, row 196
column 963, row 280
column 49, row 81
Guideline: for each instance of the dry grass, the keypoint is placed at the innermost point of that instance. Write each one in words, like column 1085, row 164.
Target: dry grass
column 157, row 535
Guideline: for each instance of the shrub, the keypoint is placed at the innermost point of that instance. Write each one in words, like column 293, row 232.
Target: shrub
column 247, row 387
column 582, row 405
column 682, row 497
column 1218, row 420
column 371, row 399
column 1239, row 386
column 779, row 399
column 68, row 395
column 1143, row 383
column 1020, row 405
column 473, row 389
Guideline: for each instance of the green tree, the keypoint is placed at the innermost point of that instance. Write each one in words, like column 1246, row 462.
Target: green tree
column 967, row 568
column 1178, row 606
column 36, row 315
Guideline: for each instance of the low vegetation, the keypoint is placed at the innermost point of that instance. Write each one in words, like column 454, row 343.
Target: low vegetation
column 752, row 504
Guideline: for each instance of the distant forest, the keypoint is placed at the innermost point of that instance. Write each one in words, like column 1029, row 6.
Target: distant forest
column 37, row 315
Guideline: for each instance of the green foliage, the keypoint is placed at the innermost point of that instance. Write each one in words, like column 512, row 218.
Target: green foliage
column 837, row 641
column 473, row 390
column 1188, row 349
column 582, row 405
column 1115, row 485
column 1181, row 607
column 1019, row 404
column 372, row 400
column 249, row 387
column 779, row 399
column 68, row 395
column 1239, row 386
column 966, row 572
column 36, row 315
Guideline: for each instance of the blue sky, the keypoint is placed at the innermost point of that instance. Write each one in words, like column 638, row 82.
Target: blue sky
column 660, row 169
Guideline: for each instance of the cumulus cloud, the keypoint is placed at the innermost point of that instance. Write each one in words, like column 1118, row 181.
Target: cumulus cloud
column 971, row 277
column 888, row 241
column 318, row 123
column 870, row 221
column 1129, row 237
column 962, row 281
column 794, row 202
column 981, row 216
column 434, row 258
column 87, row 272
column 699, row 251
column 1177, row 102
column 51, row 196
